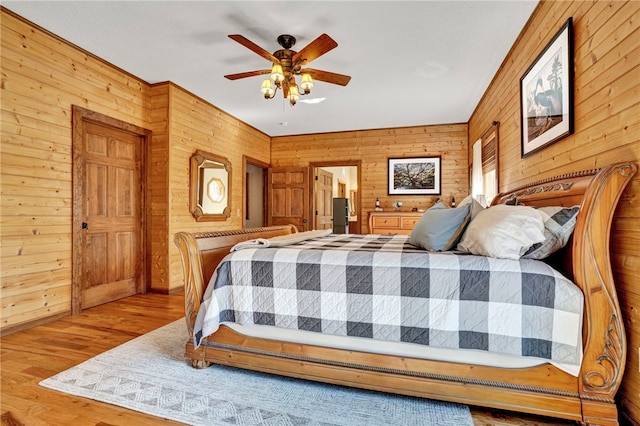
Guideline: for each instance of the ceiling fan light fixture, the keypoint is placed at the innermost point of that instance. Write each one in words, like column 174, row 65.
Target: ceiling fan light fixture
column 277, row 74
column 307, row 83
column 294, row 94
column 287, row 64
column 267, row 89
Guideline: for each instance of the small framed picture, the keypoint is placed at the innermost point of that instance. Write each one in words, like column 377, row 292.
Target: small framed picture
column 414, row 176
column 546, row 94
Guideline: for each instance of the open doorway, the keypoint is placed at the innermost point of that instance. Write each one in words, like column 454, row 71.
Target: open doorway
column 335, row 180
column 254, row 193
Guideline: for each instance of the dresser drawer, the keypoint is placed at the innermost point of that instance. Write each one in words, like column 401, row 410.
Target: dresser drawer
column 391, row 231
column 409, row 222
column 386, row 222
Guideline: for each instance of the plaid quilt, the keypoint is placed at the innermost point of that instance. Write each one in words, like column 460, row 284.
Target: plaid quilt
column 382, row 287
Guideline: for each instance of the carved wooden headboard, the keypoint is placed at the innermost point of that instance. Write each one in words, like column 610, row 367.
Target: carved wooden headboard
column 586, row 261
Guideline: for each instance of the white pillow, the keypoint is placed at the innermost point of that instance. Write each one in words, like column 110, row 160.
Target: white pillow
column 503, row 231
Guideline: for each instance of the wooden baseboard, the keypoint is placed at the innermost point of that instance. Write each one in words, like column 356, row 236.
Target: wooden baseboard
column 166, row 291
column 5, row 331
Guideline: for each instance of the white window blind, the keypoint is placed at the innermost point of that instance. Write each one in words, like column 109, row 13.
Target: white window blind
column 484, row 171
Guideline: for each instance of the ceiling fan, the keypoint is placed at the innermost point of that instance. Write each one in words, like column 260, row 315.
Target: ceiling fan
column 287, row 64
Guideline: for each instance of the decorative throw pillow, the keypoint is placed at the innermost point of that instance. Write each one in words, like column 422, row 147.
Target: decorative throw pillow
column 559, row 223
column 440, row 228
column 503, row 231
column 475, row 206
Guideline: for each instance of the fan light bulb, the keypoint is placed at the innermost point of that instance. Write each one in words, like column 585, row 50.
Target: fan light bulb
column 294, row 94
column 306, row 84
column 276, row 73
column 267, row 89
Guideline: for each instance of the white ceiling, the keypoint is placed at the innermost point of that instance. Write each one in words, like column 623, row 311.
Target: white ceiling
column 411, row 63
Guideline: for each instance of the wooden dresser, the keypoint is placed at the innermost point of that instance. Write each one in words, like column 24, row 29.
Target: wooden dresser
column 392, row 222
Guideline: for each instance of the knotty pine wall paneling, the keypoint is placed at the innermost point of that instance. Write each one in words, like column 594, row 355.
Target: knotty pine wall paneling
column 42, row 77
column 373, row 148
column 158, row 238
column 607, row 130
column 195, row 124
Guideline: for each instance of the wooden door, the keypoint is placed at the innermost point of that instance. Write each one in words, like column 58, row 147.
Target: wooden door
column 289, row 197
column 111, row 240
column 342, row 190
column 323, row 190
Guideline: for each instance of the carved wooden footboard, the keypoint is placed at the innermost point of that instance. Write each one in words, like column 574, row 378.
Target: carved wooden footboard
column 542, row 390
column 201, row 252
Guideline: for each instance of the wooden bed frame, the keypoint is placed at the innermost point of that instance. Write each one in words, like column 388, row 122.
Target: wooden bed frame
column 544, row 390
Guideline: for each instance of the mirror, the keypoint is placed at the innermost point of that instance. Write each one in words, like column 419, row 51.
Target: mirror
column 210, row 187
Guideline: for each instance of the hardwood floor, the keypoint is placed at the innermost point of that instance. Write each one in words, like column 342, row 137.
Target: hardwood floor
column 35, row 354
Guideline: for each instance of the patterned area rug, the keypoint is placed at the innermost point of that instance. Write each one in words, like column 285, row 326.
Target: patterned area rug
column 150, row 375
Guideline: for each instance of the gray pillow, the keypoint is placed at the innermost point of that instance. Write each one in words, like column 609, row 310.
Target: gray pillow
column 440, row 228
column 559, row 223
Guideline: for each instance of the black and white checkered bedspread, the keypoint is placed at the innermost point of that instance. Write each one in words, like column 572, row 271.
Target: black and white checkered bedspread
column 382, row 287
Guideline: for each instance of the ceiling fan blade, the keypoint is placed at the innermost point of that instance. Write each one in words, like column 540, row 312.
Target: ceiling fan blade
column 254, row 47
column 328, row 77
column 316, row 48
column 246, row 74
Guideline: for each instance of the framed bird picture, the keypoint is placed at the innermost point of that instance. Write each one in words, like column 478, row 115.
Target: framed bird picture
column 546, row 94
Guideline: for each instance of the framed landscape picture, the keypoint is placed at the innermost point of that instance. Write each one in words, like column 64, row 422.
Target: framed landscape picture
column 414, row 176
column 546, row 94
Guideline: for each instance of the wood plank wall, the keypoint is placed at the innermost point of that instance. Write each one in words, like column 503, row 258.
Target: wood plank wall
column 158, row 239
column 196, row 124
column 42, row 77
column 607, row 130
column 373, row 148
